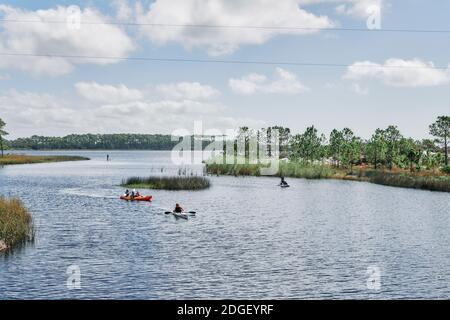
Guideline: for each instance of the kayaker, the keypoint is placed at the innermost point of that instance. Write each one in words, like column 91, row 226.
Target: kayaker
column 138, row 194
column 127, row 193
column 132, row 194
column 283, row 182
column 178, row 208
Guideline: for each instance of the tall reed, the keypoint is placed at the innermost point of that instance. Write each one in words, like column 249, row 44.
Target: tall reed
column 16, row 223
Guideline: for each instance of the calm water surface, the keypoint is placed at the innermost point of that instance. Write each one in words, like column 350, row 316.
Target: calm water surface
column 249, row 239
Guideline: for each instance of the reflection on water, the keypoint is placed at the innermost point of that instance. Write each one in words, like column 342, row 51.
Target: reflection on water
column 249, row 239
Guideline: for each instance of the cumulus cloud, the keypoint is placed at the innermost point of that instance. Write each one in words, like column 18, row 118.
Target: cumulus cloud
column 123, row 9
column 105, row 93
column 34, row 111
column 187, row 90
column 225, row 40
column 284, row 82
column 49, row 38
column 399, row 73
column 109, row 108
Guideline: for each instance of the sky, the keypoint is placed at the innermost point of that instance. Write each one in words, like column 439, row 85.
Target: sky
column 103, row 76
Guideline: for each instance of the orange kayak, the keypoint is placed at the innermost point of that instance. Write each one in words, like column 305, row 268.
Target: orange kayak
column 141, row 198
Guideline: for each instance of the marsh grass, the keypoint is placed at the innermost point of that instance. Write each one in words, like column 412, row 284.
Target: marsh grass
column 16, row 223
column 287, row 169
column 404, row 179
column 168, row 183
column 12, row 159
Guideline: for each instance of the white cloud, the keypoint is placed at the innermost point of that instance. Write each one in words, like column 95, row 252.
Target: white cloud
column 109, row 108
column 187, row 90
column 104, row 93
column 33, row 110
column 285, row 82
column 358, row 89
column 123, row 9
column 4, row 76
column 29, row 113
column 399, row 73
column 355, row 8
column 49, row 38
column 219, row 41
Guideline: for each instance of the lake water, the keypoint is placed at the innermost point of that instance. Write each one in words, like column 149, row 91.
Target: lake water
column 250, row 239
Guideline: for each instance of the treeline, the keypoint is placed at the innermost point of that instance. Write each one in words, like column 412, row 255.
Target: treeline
column 387, row 148
column 96, row 142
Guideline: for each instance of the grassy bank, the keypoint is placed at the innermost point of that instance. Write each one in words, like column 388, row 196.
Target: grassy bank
column 407, row 180
column 25, row 159
column 167, row 183
column 425, row 180
column 16, row 224
column 293, row 170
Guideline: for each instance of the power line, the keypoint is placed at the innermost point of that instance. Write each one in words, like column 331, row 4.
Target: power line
column 285, row 28
column 255, row 62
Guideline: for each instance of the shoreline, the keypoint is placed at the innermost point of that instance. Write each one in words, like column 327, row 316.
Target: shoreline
column 20, row 159
column 400, row 179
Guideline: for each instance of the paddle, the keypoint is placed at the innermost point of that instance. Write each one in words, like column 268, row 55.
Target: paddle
column 169, row 212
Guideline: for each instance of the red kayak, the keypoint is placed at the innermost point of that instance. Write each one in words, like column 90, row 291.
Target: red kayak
column 141, row 198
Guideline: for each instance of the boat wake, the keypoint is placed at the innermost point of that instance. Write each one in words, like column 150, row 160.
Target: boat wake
column 90, row 193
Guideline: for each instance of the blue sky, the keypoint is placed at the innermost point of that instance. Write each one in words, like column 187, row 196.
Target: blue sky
column 48, row 96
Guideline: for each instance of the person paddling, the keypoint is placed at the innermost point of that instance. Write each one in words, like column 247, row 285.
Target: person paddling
column 178, row 208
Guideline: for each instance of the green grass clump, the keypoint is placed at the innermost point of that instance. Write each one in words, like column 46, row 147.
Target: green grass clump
column 167, row 183
column 304, row 170
column 16, row 223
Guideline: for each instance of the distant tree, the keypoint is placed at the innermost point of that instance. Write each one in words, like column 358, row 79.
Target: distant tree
column 2, row 134
column 351, row 148
column 410, row 154
column 97, row 141
column 284, row 134
column 335, row 146
column 244, row 135
column 308, row 145
column 441, row 130
column 430, row 156
column 376, row 148
column 393, row 138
